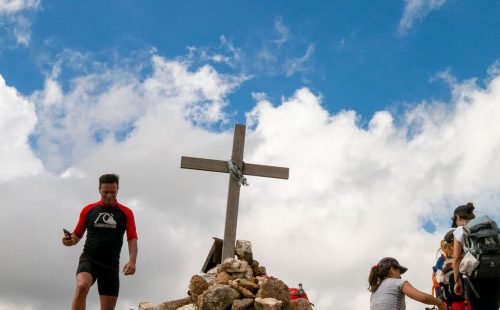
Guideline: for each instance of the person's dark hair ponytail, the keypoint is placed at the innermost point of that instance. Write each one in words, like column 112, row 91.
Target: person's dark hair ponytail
column 465, row 212
column 469, row 212
column 376, row 276
column 469, row 207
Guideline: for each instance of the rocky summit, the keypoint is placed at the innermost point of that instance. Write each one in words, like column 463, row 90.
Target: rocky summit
column 237, row 283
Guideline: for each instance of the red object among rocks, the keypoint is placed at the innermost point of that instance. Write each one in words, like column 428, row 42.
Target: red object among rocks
column 294, row 294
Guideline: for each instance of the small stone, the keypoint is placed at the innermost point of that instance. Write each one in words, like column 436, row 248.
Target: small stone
column 231, row 265
column 240, row 275
column 262, row 279
column 243, row 250
column 299, row 304
column 267, row 304
column 199, row 301
column 174, row 304
column 187, row 307
column 259, row 271
column 218, row 297
column 245, row 292
column 222, row 278
column 234, row 284
column 242, row 304
column 197, row 286
column 275, row 288
column 147, row 306
column 214, row 270
column 249, row 285
column 249, row 272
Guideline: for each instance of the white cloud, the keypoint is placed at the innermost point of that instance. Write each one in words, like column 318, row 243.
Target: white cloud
column 416, row 10
column 274, row 62
column 17, row 119
column 282, row 31
column 269, row 58
column 354, row 195
column 106, row 105
column 16, row 20
column 226, row 53
column 299, row 64
column 14, row 6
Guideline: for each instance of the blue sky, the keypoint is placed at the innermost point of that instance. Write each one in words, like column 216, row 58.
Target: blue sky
column 356, row 54
column 386, row 113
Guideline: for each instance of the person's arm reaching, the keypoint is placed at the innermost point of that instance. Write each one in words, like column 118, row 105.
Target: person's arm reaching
column 422, row 297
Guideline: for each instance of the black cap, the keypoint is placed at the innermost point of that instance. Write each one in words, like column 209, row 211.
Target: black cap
column 391, row 262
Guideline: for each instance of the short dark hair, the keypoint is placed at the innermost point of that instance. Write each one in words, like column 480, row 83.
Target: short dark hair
column 109, row 178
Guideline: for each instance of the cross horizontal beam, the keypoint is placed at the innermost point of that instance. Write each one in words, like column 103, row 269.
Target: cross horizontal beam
column 221, row 166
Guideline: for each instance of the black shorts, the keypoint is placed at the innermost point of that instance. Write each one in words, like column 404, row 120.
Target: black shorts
column 108, row 281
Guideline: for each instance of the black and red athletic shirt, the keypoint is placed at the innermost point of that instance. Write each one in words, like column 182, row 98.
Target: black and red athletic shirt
column 105, row 225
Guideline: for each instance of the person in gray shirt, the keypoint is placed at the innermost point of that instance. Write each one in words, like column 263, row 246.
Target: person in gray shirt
column 389, row 290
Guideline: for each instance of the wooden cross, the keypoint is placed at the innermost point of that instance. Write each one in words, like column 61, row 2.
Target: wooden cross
column 233, row 194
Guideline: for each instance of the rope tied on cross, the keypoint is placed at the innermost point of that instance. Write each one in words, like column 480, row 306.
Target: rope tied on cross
column 236, row 173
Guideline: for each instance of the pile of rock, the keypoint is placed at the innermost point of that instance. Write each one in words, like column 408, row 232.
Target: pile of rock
column 238, row 283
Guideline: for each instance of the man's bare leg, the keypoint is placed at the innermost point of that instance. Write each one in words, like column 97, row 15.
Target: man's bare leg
column 84, row 281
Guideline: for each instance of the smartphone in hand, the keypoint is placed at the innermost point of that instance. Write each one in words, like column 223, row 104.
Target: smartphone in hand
column 67, row 233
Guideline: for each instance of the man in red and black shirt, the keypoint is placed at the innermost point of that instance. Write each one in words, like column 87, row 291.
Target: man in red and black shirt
column 106, row 221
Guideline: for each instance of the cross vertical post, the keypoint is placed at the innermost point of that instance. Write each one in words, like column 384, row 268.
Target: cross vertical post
column 233, row 196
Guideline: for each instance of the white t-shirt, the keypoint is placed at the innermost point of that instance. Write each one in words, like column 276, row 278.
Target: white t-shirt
column 389, row 295
column 458, row 233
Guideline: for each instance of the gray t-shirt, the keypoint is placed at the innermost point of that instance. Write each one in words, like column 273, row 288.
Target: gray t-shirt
column 389, row 295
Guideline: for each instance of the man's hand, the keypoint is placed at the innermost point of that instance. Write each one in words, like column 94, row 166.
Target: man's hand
column 68, row 241
column 129, row 269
